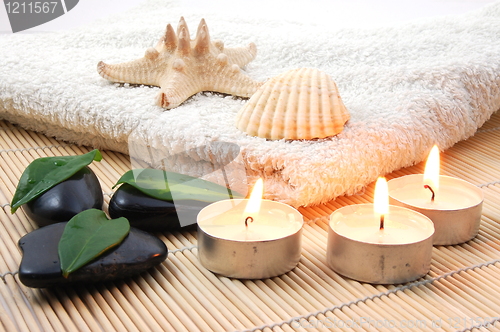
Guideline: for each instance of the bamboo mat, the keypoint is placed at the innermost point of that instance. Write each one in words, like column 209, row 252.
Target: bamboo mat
column 460, row 292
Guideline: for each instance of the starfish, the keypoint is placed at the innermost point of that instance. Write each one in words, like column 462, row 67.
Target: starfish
column 182, row 67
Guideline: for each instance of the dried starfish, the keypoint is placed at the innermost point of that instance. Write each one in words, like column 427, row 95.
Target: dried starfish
column 182, row 67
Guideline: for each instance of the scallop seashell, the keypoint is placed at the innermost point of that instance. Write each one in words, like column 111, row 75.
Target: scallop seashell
column 299, row 104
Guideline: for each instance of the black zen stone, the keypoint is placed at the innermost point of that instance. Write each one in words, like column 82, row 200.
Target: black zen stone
column 62, row 202
column 40, row 265
column 152, row 214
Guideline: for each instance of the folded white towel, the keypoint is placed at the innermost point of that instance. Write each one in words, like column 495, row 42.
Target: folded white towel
column 407, row 87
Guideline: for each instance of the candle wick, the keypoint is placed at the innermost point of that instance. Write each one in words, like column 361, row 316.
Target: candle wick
column 432, row 191
column 247, row 219
column 381, row 222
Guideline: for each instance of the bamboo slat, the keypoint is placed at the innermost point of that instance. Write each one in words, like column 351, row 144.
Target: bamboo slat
column 460, row 292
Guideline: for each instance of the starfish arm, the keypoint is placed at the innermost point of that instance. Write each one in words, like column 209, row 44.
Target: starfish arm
column 231, row 80
column 171, row 97
column 140, row 71
column 176, row 88
column 241, row 55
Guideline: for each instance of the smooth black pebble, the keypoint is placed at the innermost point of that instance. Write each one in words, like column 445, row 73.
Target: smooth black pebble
column 80, row 192
column 40, row 265
column 152, row 214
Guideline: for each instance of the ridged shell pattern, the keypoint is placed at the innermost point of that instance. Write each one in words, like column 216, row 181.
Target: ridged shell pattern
column 299, row 104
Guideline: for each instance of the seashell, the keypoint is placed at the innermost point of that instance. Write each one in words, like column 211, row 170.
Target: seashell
column 299, row 104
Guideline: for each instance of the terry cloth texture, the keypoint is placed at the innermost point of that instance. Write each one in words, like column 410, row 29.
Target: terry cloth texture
column 407, row 87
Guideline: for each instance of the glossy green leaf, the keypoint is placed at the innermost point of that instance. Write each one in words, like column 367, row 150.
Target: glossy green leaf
column 44, row 173
column 86, row 236
column 160, row 184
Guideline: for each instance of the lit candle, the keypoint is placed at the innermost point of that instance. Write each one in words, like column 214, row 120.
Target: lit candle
column 249, row 238
column 381, row 201
column 454, row 205
column 379, row 243
column 431, row 173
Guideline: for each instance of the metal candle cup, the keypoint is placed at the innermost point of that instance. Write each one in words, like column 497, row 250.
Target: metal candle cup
column 268, row 246
column 398, row 253
column 456, row 210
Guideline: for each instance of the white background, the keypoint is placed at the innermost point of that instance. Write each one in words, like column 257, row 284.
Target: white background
column 348, row 13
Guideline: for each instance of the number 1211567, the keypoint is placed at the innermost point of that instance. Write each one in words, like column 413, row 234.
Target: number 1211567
column 31, row 7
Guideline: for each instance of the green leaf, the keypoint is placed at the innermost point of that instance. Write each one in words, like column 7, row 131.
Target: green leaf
column 86, row 236
column 44, row 173
column 160, row 184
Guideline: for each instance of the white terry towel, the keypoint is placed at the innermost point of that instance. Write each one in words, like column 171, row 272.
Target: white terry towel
column 407, row 87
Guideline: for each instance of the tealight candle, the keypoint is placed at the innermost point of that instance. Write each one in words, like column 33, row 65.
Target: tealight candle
column 249, row 238
column 454, row 205
column 379, row 243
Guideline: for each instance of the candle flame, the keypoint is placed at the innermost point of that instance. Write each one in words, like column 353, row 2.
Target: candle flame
column 431, row 173
column 381, row 199
column 255, row 199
